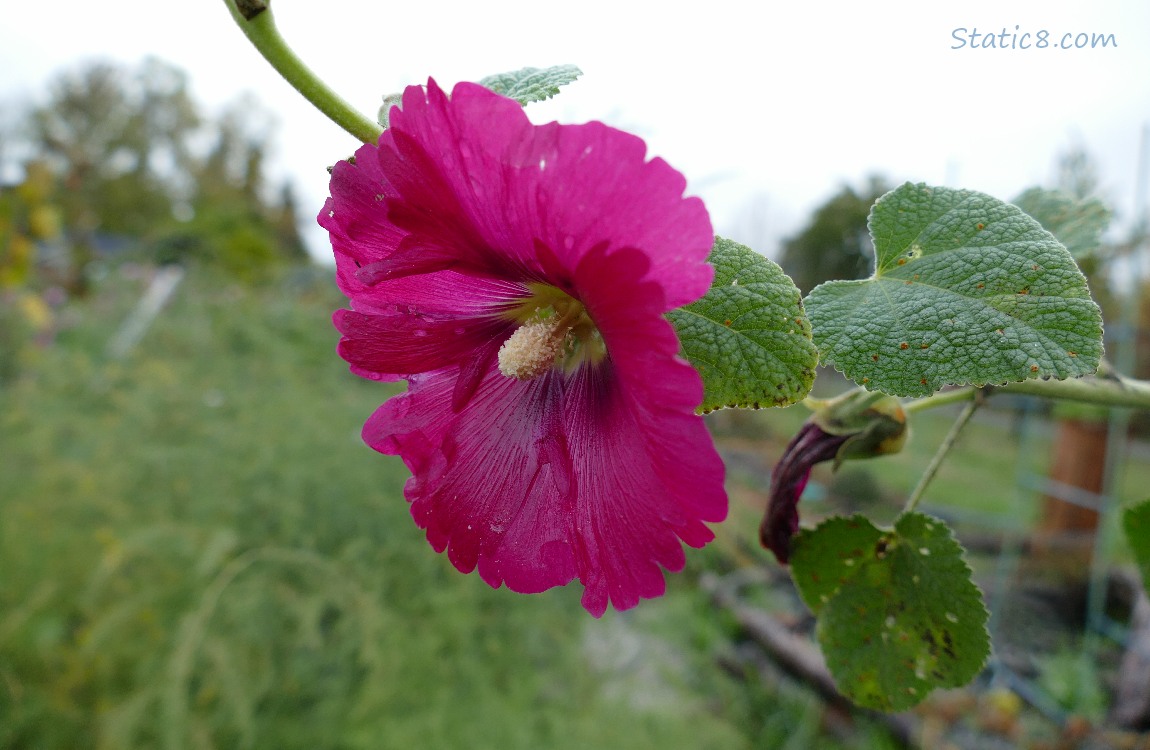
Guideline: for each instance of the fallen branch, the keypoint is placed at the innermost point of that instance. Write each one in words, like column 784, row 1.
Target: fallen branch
column 797, row 656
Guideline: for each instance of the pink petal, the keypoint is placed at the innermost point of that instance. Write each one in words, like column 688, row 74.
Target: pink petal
column 628, row 313
column 404, row 344
column 586, row 498
column 476, row 183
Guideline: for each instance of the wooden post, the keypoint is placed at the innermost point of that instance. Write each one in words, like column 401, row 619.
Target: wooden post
column 1064, row 538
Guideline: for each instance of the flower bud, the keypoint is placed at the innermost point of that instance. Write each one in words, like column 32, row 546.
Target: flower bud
column 858, row 424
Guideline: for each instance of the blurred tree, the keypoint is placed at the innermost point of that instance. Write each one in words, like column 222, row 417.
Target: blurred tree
column 139, row 161
column 1077, row 174
column 121, row 142
column 233, row 167
column 27, row 216
column 285, row 220
column 835, row 243
column 233, row 224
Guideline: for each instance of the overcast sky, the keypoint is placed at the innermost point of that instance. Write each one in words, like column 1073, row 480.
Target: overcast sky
column 769, row 109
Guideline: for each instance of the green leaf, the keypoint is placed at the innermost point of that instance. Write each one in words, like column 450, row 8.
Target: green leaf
column 748, row 337
column 898, row 612
column 532, row 84
column 1077, row 223
column 383, row 117
column 824, row 558
column 966, row 289
column 1136, row 520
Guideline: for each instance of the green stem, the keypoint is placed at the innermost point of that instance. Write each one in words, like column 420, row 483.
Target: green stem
column 943, row 398
column 941, row 453
column 1109, row 390
column 861, row 400
column 254, row 18
column 1106, row 390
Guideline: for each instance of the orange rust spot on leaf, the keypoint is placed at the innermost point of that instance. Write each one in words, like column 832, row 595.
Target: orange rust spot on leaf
column 874, row 357
column 999, row 331
column 1034, row 368
column 1073, row 354
column 904, row 345
column 923, row 381
column 924, row 346
column 982, row 286
column 980, row 226
column 902, row 261
column 1024, row 290
column 727, row 323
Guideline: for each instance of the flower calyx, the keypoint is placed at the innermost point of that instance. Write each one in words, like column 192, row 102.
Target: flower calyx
column 873, row 424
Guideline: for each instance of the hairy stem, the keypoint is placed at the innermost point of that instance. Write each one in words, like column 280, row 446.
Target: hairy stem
column 254, row 17
column 862, row 400
column 942, row 398
column 1109, row 389
column 941, row 453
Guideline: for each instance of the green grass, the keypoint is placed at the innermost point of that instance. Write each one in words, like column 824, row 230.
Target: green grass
column 197, row 551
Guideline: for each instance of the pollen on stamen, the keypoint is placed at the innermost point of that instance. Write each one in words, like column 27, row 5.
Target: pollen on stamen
column 531, row 350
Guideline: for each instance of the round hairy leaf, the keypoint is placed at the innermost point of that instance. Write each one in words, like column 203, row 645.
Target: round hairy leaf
column 966, row 289
column 898, row 613
column 748, row 337
column 822, row 559
column 532, row 84
column 1136, row 520
column 1078, row 223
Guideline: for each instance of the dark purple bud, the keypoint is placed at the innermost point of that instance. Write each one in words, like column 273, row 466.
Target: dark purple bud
column 858, row 424
column 788, row 479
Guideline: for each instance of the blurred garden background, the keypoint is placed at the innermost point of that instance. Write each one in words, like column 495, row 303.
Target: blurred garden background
column 198, row 551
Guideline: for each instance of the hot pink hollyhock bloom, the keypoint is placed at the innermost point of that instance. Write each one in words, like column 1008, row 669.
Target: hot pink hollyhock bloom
column 517, row 276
